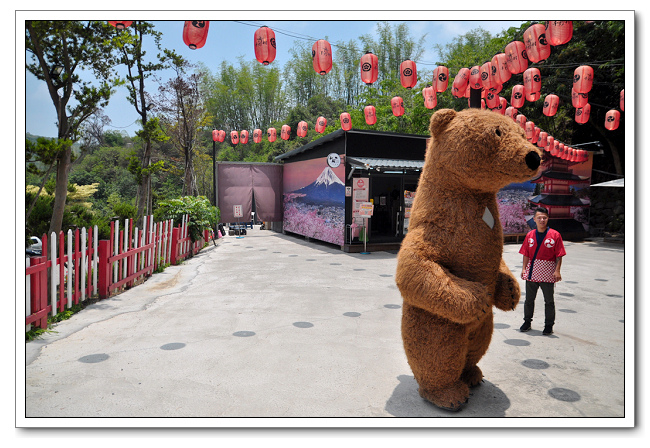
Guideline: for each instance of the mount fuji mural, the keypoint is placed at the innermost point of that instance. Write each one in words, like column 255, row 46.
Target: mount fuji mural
column 314, row 200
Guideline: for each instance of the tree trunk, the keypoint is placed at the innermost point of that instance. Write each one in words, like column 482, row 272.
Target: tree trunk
column 60, row 191
column 145, row 182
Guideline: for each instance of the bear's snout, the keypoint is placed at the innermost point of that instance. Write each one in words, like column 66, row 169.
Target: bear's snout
column 533, row 160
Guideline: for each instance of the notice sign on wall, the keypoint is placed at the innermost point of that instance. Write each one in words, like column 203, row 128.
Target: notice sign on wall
column 237, row 211
column 360, row 190
column 365, row 209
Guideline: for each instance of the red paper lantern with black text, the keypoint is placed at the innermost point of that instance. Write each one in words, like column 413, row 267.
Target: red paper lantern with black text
column 559, row 32
column 503, row 104
column 511, row 112
column 487, row 80
column 257, row 136
column 408, row 74
column 397, row 105
column 529, row 128
column 583, row 79
column 285, row 132
column 537, row 48
column 195, row 33
column 532, row 80
column 370, row 114
column 461, row 81
column 430, row 97
column 121, row 24
column 541, row 141
column 517, row 97
column 243, row 137
column 215, row 135
column 321, row 124
column 521, row 120
column 491, row 100
column 551, row 102
column 272, row 134
column 536, row 133
column 516, row 57
column 264, row 41
column 475, row 78
column 582, row 114
column 622, row 105
column 301, row 131
column 579, row 99
column 612, row 120
column 234, row 137
column 440, row 78
column 369, row 64
column 550, row 143
column 500, row 65
column 321, row 53
column 346, row 121
column 533, row 96
column 555, row 149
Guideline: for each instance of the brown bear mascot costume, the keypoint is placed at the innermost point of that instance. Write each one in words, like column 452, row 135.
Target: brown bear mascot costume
column 450, row 269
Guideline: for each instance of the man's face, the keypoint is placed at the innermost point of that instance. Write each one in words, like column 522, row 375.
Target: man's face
column 541, row 219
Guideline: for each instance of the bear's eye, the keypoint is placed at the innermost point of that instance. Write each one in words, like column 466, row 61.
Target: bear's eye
column 497, row 131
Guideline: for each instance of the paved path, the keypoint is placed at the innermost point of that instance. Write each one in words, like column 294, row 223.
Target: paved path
column 271, row 325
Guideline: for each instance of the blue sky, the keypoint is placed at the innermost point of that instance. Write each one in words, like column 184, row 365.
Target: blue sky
column 229, row 39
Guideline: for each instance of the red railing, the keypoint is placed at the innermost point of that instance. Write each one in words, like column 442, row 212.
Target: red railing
column 101, row 268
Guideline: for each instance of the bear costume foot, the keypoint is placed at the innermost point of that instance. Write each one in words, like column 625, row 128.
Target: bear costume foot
column 472, row 376
column 450, row 398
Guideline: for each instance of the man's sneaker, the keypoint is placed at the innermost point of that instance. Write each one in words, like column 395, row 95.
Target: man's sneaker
column 525, row 327
column 548, row 329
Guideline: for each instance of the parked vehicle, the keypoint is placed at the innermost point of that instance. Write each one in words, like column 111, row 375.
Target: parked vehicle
column 36, row 248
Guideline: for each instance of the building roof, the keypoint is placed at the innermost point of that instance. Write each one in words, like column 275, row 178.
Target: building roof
column 611, row 183
column 340, row 133
column 398, row 164
column 561, row 200
column 560, row 175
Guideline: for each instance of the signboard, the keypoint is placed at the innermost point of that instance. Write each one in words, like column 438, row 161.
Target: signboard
column 237, row 211
column 365, row 209
column 360, row 190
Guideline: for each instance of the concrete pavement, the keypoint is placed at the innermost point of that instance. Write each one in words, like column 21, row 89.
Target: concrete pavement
column 271, row 325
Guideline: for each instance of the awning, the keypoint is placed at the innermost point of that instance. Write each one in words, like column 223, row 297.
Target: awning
column 385, row 164
column 611, row 183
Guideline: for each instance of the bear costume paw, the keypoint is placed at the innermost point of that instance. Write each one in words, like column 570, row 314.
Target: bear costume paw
column 450, row 398
column 507, row 293
column 472, row 376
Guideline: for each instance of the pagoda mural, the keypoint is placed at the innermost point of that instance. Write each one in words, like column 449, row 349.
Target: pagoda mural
column 562, row 190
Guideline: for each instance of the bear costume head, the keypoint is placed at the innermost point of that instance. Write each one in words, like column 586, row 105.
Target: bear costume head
column 450, row 270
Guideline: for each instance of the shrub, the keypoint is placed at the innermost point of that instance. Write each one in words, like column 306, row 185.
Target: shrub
column 202, row 215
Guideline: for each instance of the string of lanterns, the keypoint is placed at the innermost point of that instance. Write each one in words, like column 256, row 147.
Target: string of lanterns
column 489, row 78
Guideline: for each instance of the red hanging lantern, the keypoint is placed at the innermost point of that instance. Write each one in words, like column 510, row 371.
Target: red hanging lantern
column 271, row 134
column 555, row 149
column 529, row 128
column 623, row 100
column 430, row 97
column 612, row 120
column 550, row 143
column 243, row 137
column 121, row 24
column 511, row 112
column 370, row 114
column 475, row 78
column 532, row 80
column 578, row 99
column 501, row 108
column 582, row 114
column 264, row 41
column 537, row 48
column 369, row 64
column 397, row 104
column 536, row 133
column 321, row 53
column 257, row 136
column 346, row 121
column 562, row 151
column 440, row 78
column 285, row 132
column 541, row 141
column 500, row 65
column 583, row 78
column 461, row 81
column 215, row 135
column 222, row 136
column 321, row 124
column 521, row 120
column 302, row 129
column 408, row 74
column 559, row 32
column 487, row 80
column 533, row 96
column 234, row 137
column 491, row 100
column 551, row 103
column 195, row 33
column 516, row 57
column 517, row 98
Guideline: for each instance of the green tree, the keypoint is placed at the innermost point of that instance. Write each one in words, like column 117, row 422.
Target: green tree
column 71, row 46
column 202, row 215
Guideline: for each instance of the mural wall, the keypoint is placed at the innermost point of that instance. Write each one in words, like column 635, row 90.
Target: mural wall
column 314, row 198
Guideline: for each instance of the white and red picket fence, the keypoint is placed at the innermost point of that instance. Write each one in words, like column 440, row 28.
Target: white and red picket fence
column 100, row 268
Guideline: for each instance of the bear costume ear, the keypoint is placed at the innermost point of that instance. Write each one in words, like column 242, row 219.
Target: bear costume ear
column 440, row 120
